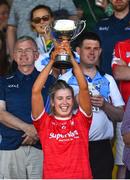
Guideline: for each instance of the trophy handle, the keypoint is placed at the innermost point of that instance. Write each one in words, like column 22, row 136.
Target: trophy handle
column 82, row 22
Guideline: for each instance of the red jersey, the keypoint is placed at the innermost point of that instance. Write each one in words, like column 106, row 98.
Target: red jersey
column 122, row 53
column 65, row 146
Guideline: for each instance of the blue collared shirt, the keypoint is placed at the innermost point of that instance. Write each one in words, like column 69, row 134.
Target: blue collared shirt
column 111, row 30
column 16, row 91
column 100, row 83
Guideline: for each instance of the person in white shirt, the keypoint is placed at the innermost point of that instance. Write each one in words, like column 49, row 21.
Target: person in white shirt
column 106, row 100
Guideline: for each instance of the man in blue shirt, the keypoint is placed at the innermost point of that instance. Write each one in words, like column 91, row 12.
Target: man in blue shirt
column 19, row 142
column 113, row 29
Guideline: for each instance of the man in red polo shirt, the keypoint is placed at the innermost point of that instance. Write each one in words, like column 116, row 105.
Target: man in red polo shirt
column 121, row 72
column 121, row 67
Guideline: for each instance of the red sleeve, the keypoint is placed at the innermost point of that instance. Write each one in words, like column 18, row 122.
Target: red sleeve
column 84, row 118
column 116, row 56
column 116, row 50
column 39, row 123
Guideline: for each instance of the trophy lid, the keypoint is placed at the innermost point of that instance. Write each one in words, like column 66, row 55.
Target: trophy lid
column 64, row 25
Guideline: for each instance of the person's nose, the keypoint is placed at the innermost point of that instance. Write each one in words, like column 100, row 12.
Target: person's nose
column 64, row 101
column 42, row 21
column 92, row 51
column 23, row 52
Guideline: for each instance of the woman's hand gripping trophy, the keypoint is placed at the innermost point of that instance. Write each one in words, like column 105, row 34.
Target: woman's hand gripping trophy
column 61, row 49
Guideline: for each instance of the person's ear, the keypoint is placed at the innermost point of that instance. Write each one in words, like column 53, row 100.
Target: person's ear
column 78, row 50
column 52, row 20
column 36, row 55
column 14, row 57
column 100, row 51
column 33, row 26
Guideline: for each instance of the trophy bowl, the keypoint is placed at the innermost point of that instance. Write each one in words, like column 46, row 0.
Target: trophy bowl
column 68, row 30
column 64, row 28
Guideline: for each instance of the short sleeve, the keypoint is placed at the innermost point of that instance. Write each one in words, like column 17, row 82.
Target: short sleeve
column 84, row 119
column 116, row 56
column 39, row 123
column 116, row 100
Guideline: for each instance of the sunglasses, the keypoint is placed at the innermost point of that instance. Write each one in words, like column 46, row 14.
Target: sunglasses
column 37, row 20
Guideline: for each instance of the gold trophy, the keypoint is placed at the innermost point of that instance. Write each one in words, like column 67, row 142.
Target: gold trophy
column 65, row 31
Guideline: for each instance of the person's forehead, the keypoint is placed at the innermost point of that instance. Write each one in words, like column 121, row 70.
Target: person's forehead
column 4, row 7
column 41, row 10
column 25, row 43
column 114, row 1
column 63, row 92
column 91, row 42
